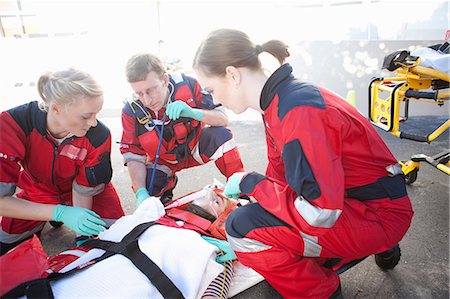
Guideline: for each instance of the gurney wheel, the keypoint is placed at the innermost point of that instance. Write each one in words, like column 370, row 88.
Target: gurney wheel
column 411, row 176
column 388, row 259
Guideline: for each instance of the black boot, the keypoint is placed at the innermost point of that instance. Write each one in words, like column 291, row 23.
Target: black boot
column 55, row 224
column 167, row 196
column 388, row 259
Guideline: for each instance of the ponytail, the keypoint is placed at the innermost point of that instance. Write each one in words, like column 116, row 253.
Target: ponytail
column 228, row 47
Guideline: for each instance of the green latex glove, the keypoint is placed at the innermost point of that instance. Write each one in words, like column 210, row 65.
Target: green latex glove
column 141, row 195
column 232, row 189
column 83, row 221
column 178, row 109
column 224, row 246
column 80, row 240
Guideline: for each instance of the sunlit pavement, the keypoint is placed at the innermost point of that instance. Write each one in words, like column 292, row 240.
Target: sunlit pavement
column 423, row 271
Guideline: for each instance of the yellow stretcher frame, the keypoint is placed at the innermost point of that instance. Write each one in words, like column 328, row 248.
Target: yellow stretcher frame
column 412, row 82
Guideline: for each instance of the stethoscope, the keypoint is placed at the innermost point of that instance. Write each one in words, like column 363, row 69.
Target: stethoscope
column 160, row 131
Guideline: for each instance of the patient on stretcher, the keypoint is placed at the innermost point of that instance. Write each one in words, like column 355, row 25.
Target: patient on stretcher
column 182, row 254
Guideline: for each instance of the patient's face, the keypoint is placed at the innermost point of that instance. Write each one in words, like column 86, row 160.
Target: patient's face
column 213, row 204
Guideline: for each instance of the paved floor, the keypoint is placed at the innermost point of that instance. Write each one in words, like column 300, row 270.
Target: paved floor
column 423, row 271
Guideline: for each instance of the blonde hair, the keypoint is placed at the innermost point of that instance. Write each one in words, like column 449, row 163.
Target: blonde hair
column 66, row 87
column 139, row 65
column 229, row 47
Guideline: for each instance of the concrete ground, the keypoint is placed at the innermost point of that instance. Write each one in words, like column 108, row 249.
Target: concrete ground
column 423, row 271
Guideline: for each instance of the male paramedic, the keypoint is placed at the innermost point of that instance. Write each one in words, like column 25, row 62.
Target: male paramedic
column 170, row 124
column 58, row 154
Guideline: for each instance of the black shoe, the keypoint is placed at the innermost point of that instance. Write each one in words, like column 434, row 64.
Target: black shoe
column 337, row 294
column 55, row 224
column 167, row 196
column 388, row 259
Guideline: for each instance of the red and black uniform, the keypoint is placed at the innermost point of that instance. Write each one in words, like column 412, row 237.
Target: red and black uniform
column 186, row 142
column 46, row 172
column 331, row 190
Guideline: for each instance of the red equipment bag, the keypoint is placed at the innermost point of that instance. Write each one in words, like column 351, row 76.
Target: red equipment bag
column 25, row 262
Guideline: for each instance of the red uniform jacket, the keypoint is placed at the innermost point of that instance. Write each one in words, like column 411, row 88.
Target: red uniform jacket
column 30, row 159
column 140, row 141
column 319, row 148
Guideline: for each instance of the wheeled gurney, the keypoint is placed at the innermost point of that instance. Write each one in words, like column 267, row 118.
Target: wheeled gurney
column 413, row 81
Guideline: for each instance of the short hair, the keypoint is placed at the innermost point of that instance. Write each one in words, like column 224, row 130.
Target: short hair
column 66, row 87
column 139, row 65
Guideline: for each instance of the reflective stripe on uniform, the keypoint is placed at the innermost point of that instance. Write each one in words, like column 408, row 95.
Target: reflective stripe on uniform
column 196, row 154
column 246, row 244
column 162, row 168
column 12, row 238
column 7, row 189
column 314, row 215
column 311, row 246
column 128, row 156
column 87, row 191
column 227, row 146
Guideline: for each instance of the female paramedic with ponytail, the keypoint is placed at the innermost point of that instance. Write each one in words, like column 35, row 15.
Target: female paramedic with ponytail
column 58, row 154
column 332, row 190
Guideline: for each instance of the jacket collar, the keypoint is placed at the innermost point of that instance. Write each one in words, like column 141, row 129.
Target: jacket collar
column 270, row 88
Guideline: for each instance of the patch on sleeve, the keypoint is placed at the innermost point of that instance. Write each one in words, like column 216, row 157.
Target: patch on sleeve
column 73, row 152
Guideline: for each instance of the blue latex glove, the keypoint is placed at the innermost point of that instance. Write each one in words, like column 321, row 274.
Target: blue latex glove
column 224, row 246
column 141, row 195
column 232, row 189
column 178, row 109
column 83, row 221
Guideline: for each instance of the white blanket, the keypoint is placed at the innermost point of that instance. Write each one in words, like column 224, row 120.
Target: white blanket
column 181, row 254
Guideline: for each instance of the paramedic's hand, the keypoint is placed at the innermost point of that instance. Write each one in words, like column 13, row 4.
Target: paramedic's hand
column 224, row 246
column 232, row 189
column 141, row 195
column 83, row 221
column 178, row 109
column 154, row 202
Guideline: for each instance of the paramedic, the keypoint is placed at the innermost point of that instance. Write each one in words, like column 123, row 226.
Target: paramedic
column 174, row 106
column 58, row 154
column 332, row 188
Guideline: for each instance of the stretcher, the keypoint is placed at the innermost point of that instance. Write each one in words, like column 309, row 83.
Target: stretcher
column 415, row 78
column 69, row 269
column 182, row 258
